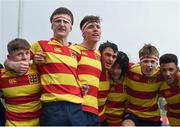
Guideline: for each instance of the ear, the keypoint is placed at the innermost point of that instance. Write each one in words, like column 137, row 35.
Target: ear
column 71, row 28
column 9, row 56
column 51, row 26
column 177, row 69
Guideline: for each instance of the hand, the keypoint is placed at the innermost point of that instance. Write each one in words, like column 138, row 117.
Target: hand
column 19, row 67
column 128, row 122
column 85, row 89
column 40, row 58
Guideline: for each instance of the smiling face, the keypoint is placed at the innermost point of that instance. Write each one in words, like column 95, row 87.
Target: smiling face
column 169, row 72
column 108, row 58
column 61, row 25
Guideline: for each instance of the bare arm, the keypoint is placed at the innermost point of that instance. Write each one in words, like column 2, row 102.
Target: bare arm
column 19, row 67
column 40, row 58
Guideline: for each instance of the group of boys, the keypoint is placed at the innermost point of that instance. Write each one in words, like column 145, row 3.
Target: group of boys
column 69, row 84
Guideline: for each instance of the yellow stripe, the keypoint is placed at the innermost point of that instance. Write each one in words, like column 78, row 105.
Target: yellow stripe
column 117, row 97
column 90, row 101
column 32, row 122
column 92, row 80
column 104, row 86
column 19, row 91
column 90, row 62
column 144, row 87
column 35, row 47
column 102, row 101
column 52, row 97
column 174, row 121
column 102, row 112
column 57, row 58
column 73, row 47
column 146, row 114
column 142, row 102
column 20, row 108
column 65, row 79
column 115, row 111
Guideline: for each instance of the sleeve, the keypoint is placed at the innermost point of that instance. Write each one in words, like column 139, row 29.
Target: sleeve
column 35, row 47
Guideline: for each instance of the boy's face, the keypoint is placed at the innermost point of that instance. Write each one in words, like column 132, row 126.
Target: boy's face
column 169, row 72
column 20, row 55
column 115, row 71
column 148, row 65
column 108, row 58
column 92, row 32
column 61, row 26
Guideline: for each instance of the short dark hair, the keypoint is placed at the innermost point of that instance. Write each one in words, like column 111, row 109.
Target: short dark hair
column 89, row 19
column 168, row 58
column 62, row 10
column 108, row 44
column 148, row 50
column 123, row 61
column 17, row 44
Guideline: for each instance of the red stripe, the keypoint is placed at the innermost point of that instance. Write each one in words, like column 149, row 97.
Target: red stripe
column 140, row 94
column 115, row 104
column 155, row 118
column 14, row 81
column 90, row 54
column 143, row 109
column 142, row 78
column 93, row 91
column 57, row 49
column 23, row 99
column 89, row 70
column 104, row 76
column 174, row 106
column 174, row 115
column 52, row 68
column 100, row 108
column 61, row 89
column 22, row 116
column 103, row 118
column 172, row 92
column 90, row 109
column 103, row 94
column 114, row 117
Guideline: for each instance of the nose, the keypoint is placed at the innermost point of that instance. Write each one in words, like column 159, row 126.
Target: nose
column 168, row 73
column 24, row 56
column 61, row 23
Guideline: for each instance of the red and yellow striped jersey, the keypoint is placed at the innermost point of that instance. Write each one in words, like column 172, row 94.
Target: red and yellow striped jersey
column 172, row 95
column 143, row 93
column 59, row 74
column 104, row 86
column 116, row 102
column 22, row 97
column 89, row 70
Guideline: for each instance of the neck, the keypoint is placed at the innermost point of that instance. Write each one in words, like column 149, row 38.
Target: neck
column 62, row 40
column 89, row 45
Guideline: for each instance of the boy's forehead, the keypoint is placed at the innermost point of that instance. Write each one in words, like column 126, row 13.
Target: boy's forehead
column 150, row 57
column 62, row 17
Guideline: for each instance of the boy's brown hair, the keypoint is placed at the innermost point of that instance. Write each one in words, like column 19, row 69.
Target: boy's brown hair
column 18, row 44
column 148, row 50
column 62, row 10
column 89, row 19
